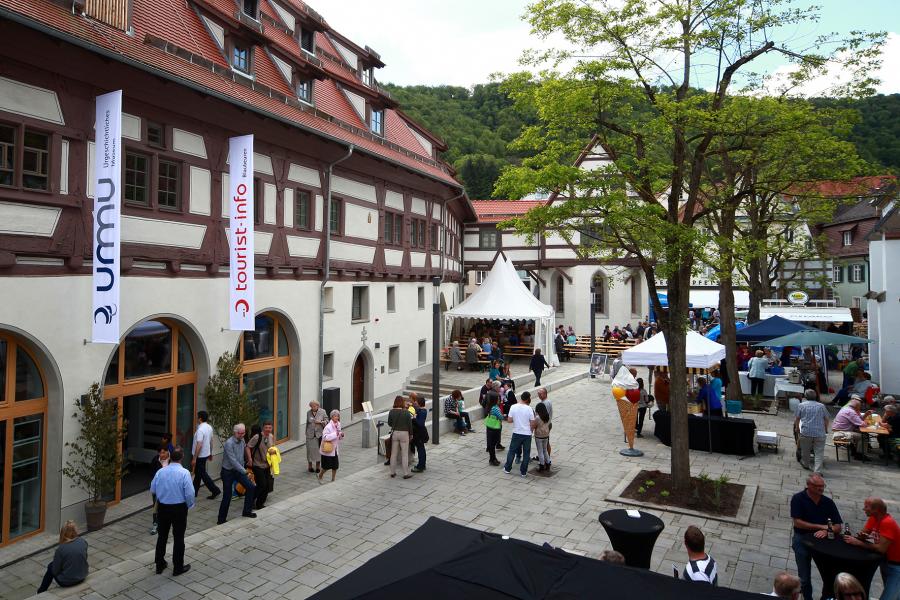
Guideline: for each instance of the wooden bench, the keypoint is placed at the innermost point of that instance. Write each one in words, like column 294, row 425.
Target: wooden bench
column 483, row 362
column 838, row 444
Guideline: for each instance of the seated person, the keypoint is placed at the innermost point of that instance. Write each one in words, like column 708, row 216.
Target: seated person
column 494, row 373
column 846, row 427
column 454, row 408
column 70, row 562
column 572, row 339
column 495, row 352
column 513, row 338
column 506, row 376
column 482, row 395
column 890, row 421
column 486, row 345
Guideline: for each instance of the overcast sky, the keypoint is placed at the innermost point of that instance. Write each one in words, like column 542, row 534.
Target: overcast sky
column 433, row 42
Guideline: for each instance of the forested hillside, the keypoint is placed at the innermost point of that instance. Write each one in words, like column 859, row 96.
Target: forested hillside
column 478, row 125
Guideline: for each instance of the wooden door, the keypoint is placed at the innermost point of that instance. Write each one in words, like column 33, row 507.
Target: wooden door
column 359, row 383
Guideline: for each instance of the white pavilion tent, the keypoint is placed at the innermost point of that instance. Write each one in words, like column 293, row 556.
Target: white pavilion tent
column 502, row 295
column 702, row 353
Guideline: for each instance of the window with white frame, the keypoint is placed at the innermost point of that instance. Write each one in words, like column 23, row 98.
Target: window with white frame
column 377, row 123
column 837, row 274
column 847, row 238
column 304, row 90
column 479, row 277
column 488, row 239
column 393, row 359
column 858, row 273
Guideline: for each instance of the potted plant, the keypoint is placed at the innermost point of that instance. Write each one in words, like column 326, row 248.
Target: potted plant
column 226, row 402
column 94, row 463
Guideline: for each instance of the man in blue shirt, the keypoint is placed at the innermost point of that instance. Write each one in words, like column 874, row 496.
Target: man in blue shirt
column 810, row 511
column 174, row 492
column 234, row 469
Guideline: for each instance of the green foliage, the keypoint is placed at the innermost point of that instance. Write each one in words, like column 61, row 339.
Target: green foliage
column 477, row 124
column 665, row 493
column 642, row 490
column 649, row 483
column 876, row 134
column 226, row 403
column 94, row 463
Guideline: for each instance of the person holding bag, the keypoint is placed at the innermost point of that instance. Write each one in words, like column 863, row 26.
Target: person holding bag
column 542, row 436
column 257, row 451
column 400, row 422
column 331, row 442
column 316, row 418
column 493, row 424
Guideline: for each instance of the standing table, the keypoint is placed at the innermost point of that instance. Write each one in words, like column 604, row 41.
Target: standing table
column 633, row 537
column 835, row 556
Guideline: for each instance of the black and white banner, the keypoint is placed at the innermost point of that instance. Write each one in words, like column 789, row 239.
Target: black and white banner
column 107, row 221
column 241, row 309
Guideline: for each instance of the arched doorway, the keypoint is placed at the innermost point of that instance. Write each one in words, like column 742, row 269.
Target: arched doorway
column 23, row 431
column 153, row 377
column 358, row 392
column 266, row 366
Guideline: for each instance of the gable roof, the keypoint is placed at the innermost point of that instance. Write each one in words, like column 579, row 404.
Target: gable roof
column 495, row 211
column 171, row 41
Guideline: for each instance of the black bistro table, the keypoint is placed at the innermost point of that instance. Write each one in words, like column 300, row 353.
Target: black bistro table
column 633, row 537
column 836, row 556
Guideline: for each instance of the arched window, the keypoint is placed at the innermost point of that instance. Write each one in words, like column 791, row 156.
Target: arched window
column 598, row 283
column 266, row 366
column 560, row 296
column 23, row 426
column 153, row 377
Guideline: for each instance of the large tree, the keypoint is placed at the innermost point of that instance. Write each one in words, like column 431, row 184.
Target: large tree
column 652, row 85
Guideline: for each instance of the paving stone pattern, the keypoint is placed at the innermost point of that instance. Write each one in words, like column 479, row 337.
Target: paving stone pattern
column 303, row 542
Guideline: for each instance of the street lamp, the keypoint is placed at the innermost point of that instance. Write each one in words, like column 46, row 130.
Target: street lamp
column 593, row 315
column 435, row 359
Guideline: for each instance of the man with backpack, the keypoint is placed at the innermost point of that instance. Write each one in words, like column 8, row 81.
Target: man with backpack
column 257, row 451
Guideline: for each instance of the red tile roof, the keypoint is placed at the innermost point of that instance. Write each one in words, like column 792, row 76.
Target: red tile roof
column 857, row 187
column 494, row 211
column 176, row 23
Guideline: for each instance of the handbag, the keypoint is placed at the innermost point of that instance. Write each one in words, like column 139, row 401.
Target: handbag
column 492, row 422
column 239, row 488
column 327, row 447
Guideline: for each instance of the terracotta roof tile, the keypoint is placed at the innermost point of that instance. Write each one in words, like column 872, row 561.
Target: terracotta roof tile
column 494, row 211
column 856, row 187
column 174, row 22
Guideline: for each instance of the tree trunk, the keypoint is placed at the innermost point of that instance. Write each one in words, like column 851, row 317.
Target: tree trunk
column 757, row 289
column 727, row 326
column 674, row 330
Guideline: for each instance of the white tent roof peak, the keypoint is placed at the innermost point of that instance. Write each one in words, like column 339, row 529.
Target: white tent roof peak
column 501, row 295
column 702, row 353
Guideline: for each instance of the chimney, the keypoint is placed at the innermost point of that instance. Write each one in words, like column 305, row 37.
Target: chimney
column 112, row 12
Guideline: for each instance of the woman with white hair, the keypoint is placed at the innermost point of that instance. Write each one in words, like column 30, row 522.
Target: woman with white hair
column 331, row 442
column 316, row 418
column 70, row 563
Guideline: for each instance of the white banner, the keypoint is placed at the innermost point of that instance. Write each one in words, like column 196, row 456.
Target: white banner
column 107, row 221
column 241, row 309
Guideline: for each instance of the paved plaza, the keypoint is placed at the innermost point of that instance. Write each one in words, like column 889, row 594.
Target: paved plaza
column 310, row 536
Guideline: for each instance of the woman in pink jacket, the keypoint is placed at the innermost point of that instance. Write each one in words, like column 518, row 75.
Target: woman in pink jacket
column 332, row 434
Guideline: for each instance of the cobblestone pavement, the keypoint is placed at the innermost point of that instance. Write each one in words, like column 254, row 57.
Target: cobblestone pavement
column 300, row 544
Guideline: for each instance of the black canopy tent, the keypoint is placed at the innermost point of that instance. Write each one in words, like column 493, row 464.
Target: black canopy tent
column 768, row 329
column 441, row 560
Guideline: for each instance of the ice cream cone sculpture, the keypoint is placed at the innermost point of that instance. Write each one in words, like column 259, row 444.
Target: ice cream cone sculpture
column 628, row 411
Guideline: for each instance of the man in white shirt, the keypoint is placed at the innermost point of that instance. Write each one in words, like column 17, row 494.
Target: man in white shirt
column 521, row 415
column 202, row 453
column 701, row 566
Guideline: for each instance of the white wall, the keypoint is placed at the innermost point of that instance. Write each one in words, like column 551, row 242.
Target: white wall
column 577, row 309
column 884, row 317
column 54, row 314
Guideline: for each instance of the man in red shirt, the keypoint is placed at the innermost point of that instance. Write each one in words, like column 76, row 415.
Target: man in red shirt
column 883, row 534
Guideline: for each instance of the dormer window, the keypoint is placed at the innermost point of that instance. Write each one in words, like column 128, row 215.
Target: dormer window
column 304, row 90
column 240, row 58
column 367, row 76
column 307, row 40
column 249, row 7
column 377, row 123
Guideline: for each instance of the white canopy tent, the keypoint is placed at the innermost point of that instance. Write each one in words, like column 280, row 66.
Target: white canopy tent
column 502, row 295
column 702, row 353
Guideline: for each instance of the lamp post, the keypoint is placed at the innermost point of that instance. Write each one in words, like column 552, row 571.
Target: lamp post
column 593, row 321
column 435, row 359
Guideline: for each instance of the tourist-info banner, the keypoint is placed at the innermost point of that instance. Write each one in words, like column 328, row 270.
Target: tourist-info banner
column 240, row 240
column 107, row 221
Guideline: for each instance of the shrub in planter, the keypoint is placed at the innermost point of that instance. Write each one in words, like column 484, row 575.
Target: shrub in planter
column 94, row 461
column 226, row 403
